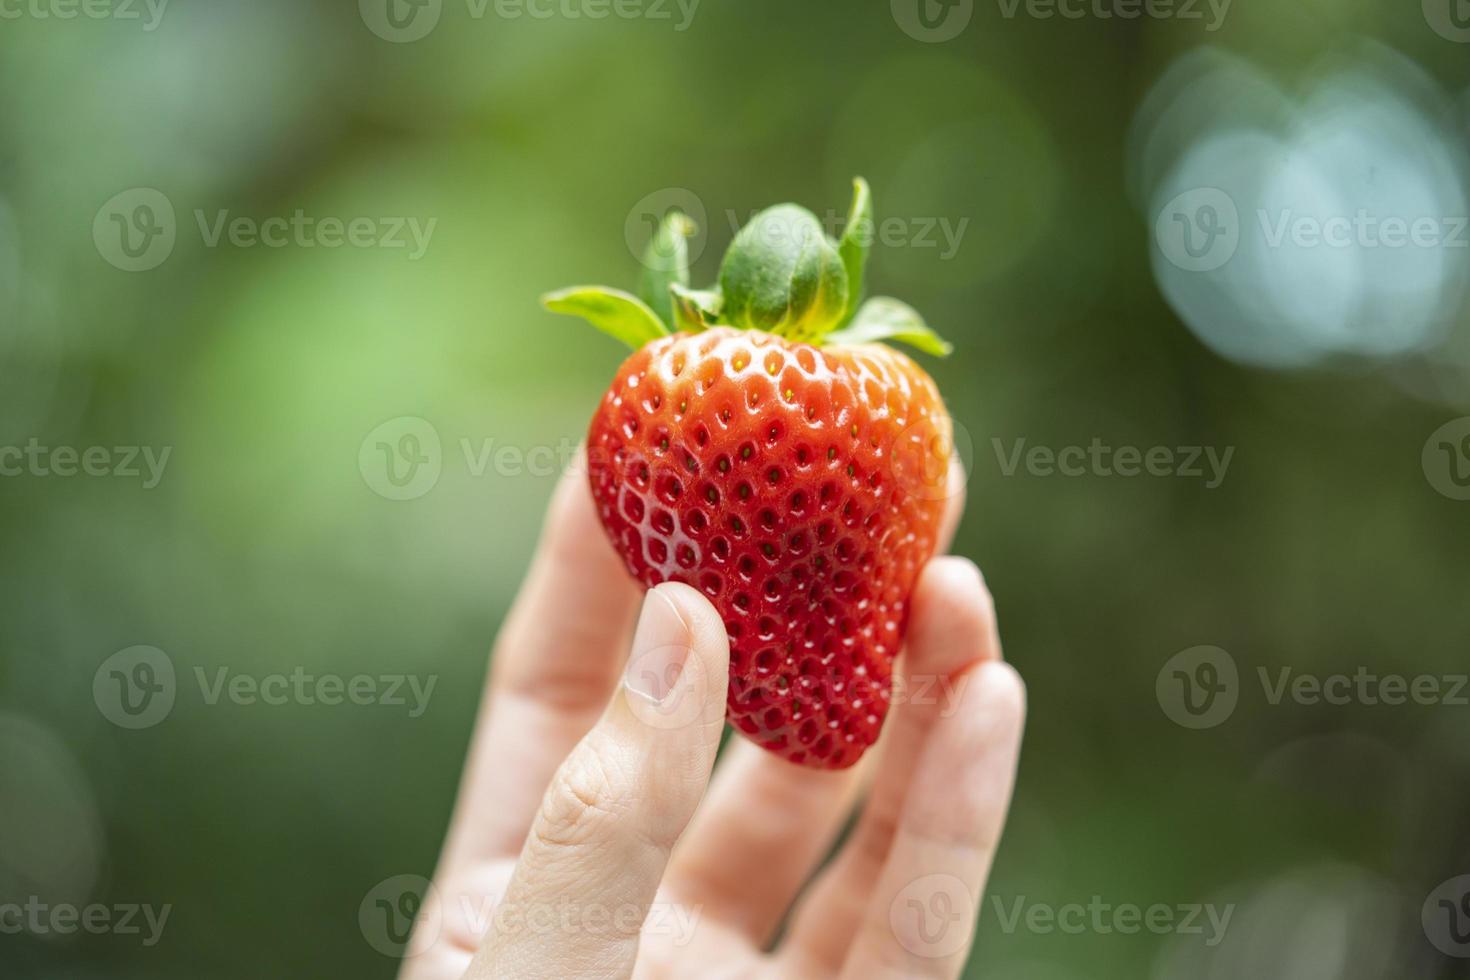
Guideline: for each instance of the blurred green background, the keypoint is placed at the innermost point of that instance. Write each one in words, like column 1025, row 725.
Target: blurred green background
column 536, row 145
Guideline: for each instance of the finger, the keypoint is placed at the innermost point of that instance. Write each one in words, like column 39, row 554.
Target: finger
column 453, row 919
column 952, row 628
column 954, row 505
column 763, row 812
column 920, row 919
column 554, row 665
column 599, row 844
column 764, row 826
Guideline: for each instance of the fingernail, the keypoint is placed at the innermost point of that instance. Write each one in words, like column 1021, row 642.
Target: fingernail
column 660, row 649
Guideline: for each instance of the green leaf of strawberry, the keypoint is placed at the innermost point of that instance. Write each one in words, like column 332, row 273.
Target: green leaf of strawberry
column 885, row 318
column 666, row 263
column 857, row 238
column 614, row 312
column 694, row 309
column 783, row 275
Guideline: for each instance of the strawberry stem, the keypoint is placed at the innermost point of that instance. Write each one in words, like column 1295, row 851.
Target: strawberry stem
column 782, row 275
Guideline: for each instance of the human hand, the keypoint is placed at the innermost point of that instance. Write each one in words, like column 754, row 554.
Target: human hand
column 584, row 843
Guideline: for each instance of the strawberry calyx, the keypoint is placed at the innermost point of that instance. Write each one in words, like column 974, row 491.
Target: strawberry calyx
column 782, row 275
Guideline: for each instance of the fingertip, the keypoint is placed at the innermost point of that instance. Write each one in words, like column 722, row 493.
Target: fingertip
column 968, row 768
column 1001, row 691
column 953, row 617
column 707, row 634
column 679, row 625
column 955, row 570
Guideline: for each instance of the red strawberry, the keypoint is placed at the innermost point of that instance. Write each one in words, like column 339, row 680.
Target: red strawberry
column 800, row 487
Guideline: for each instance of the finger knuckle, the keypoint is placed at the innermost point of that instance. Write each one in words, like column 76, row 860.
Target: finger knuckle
column 587, row 800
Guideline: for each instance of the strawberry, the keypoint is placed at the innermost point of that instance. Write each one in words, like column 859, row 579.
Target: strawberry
column 772, row 455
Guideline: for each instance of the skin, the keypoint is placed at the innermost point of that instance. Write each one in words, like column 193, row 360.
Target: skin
column 589, row 840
